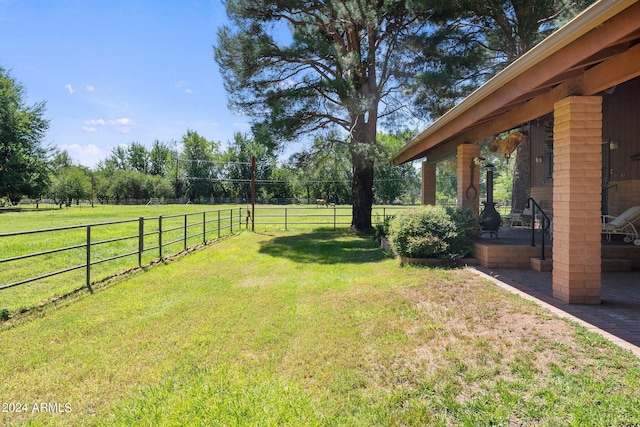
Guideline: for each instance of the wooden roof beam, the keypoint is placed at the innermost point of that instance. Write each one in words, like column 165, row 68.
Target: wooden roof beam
column 532, row 75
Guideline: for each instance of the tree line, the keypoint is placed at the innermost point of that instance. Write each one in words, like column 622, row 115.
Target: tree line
column 192, row 168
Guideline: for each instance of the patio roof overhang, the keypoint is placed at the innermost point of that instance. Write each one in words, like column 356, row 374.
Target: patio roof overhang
column 597, row 50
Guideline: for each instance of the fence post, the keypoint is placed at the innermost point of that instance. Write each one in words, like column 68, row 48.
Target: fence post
column 285, row 219
column 204, row 227
column 140, row 240
column 185, row 232
column 231, row 220
column 218, row 224
column 89, row 258
column 334, row 218
column 160, row 237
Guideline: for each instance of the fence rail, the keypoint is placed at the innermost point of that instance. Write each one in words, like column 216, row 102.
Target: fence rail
column 78, row 247
column 223, row 222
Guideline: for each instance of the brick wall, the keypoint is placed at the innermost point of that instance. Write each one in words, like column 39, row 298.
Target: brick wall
column 428, row 183
column 468, row 195
column 626, row 195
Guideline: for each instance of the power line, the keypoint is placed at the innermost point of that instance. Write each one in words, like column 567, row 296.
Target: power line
column 279, row 181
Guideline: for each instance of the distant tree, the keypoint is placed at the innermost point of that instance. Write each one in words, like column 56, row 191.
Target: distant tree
column 391, row 182
column 70, row 183
column 138, row 157
column 61, row 159
column 344, row 68
column 162, row 158
column 157, row 186
column 281, row 186
column 127, row 184
column 199, row 165
column 324, row 170
column 119, row 159
column 23, row 159
column 237, row 166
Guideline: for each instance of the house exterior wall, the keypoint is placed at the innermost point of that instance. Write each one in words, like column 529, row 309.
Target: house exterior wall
column 620, row 165
column 623, row 195
column 468, row 183
column 428, row 183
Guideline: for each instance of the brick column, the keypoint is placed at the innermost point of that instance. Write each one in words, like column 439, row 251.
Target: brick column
column 428, row 183
column 577, row 188
column 468, row 195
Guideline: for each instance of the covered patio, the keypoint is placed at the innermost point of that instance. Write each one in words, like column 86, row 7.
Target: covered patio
column 576, row 97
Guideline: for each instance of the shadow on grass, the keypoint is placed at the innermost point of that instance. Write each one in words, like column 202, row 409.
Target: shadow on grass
column 14, row 209
column 325, row 247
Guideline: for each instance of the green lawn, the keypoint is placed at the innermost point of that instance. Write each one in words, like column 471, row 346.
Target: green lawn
column 22, row 297
column 310, row 328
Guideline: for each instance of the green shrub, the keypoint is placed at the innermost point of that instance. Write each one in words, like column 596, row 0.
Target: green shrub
column 4, row 314
column 382, row 228
column 433, row 232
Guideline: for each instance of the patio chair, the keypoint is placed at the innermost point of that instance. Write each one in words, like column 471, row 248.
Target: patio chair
column 521, row 219
column 623, row 224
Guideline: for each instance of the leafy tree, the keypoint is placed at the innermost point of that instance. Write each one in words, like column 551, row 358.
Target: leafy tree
column 392, row 181
column 282, row 187
column 61, row 159
column 138, row 157
column 127, row 184
column 199, row 165
column 23, row 165
column 343, row 68
column 324, row 171
column 237, row 166
column 157, row 186
column 162, row 158
column 119, row 158
column 70, row 183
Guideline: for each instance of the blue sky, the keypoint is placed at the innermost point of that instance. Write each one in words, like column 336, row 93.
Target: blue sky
column 113, row 72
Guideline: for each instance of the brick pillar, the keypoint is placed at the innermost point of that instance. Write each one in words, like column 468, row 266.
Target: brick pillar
column 428, row 183
column 577, row 188
column 468, row 194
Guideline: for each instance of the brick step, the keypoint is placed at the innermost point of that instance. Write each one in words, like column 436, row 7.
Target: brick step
column 616, row 264
column 608, row 264
column 541, row 265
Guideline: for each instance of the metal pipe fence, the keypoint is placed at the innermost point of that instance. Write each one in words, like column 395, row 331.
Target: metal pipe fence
column 83, row 247
column 200, row 225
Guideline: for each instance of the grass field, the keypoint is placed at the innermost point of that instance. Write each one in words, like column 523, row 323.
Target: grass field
column 309, row 328
column 22, row 297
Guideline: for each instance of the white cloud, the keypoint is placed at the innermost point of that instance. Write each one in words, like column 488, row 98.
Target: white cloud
column 95, row 122
column 181, row 84
column 122, row 122
column 88, row 155
column 70, row 88
column 90, row 88
column 122, row 125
